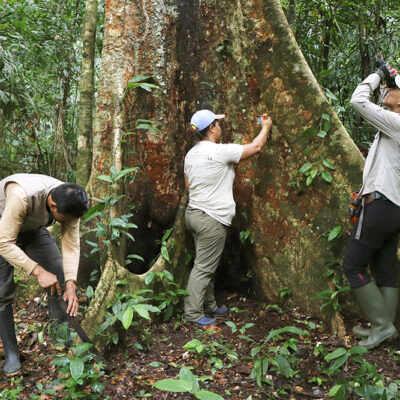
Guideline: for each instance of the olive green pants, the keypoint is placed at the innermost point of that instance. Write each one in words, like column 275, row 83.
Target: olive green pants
column 209, row 239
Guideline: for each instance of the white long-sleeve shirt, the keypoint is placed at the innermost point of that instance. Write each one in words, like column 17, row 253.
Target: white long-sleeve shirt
column 382, row 166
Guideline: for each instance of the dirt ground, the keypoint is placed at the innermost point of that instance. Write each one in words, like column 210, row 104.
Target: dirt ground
column 132, row 371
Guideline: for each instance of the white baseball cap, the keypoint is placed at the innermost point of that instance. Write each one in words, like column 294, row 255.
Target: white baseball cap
column 203, row 118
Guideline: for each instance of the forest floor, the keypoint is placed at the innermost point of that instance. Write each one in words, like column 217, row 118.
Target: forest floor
column 298, row 363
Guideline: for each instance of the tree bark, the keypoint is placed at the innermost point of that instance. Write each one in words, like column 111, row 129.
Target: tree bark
column 86, row 94
column 238, row 57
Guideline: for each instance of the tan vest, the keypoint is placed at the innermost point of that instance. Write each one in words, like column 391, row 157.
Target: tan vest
column 37, row 188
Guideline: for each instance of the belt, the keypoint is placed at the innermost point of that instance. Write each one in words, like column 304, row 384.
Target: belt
column 370, row 197
column 374, row 196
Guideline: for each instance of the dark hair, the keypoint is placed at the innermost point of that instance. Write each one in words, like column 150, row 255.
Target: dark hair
column 71, row 199
column 200, row 134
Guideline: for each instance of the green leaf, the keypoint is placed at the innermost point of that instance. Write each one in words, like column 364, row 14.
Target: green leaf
column 305, row 167
column 340, row 361
column 127, row 318
column 207, row 395
column 309, row 131
column 186, row 375
column 167, row 234
column 172, row 385
column 309, row 180
column 155, row 364
column 76, row 367
column 231, row 325
column 335, row 354
column 194, row 344
column 81, row 348
column 139, row 78
column 93, row 210
column 89, row 292
column 334, row 233
column 124, row 172
column 330, row 95
column 322, row 134
column 136, row 257
column 149, row 277
column 97, row 387
column 326, row 117
column 324, row 72
column 326, row 176
column 275, row 333
column 328, row 163
column 142, row 311
column 358, row 350
column 255, row 351
column 164, row 253
column 334, row 390
column 105, row 178
column 283, row 366
column 60, row 361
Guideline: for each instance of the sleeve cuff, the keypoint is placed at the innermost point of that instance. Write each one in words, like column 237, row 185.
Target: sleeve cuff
column 31, row 265
column 373, row 80
column 70, row 276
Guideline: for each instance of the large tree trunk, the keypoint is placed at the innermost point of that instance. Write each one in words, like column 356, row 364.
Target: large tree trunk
column 238, row 57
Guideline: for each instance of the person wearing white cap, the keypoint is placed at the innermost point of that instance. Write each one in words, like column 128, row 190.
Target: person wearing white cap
column 374, row 240
column 209, row 176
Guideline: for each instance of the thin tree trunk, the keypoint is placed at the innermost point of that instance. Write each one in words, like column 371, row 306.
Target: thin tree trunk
column 60, row 161
column 86, row 94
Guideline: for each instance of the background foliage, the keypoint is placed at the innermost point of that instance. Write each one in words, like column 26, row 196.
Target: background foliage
column 341, row 39
column 40, row 57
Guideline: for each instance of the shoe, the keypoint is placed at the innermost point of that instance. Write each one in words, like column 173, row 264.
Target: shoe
column 204, row 321
column 373, row 305
column 220, row 311
column 12, row 365
column 390, row 298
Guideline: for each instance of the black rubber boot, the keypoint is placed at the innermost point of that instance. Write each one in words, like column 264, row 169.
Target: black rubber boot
column 12, row 365
column 59, row 326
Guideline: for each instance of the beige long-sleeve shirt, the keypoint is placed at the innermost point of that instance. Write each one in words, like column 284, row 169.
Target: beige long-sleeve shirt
column 10, row 225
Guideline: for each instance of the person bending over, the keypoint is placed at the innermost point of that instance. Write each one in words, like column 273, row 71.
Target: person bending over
column 28, row 204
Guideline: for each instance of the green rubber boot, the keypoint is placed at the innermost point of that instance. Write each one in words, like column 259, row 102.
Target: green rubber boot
column 372, row 303
column 390, row 298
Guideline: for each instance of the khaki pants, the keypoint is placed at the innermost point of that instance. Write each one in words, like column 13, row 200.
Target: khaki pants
column 209, row 238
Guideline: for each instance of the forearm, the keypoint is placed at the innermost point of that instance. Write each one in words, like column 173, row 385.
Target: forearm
column 16, row 257
column 363, row 91
column 384, row 120
column 256, row 145
column 261, row 138
column 10, row 225
column 70, row 243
